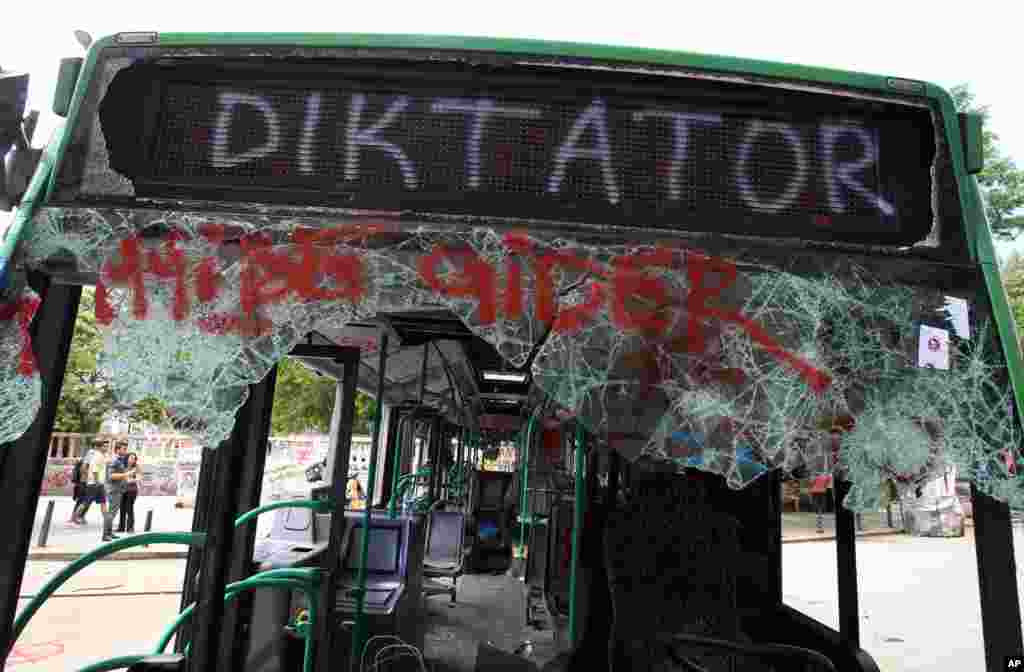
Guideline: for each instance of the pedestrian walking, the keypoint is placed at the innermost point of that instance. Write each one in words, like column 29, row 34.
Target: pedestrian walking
column 131, row 492
column 78, row 491
column 94, row 468
column 117, row 482
column 820, row 488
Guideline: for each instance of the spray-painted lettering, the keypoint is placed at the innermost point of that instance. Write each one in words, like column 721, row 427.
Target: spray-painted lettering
column 308, row 269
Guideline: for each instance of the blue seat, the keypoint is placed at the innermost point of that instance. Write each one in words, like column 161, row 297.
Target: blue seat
column 443, row 558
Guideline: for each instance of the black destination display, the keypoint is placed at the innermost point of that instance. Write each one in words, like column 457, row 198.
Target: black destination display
column 598, row 148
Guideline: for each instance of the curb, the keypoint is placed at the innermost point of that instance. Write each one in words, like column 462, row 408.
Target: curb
column 832, row 536
column 68, row 556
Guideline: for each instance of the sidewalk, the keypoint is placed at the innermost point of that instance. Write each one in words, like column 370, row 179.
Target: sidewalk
column 802, row 527
column 68, row 542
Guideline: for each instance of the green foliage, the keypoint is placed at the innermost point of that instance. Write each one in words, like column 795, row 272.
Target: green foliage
column 1001, row 181
column 1013, row 280
column 304, row 401
column 85, row 397
column 366, row 407
column 150, row 410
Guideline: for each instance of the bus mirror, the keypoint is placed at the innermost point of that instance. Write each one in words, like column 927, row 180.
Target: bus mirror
column 67, row 78
column 13, row 98
column 971, row 126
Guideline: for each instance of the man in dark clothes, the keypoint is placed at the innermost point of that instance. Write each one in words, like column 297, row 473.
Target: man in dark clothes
column 117, row 482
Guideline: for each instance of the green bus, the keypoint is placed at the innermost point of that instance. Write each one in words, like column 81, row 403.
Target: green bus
column 670, row 281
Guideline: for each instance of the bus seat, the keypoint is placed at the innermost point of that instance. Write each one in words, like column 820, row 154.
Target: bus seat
column 672, row 564
column 669, row 559
column 590, row 654
column 444, row 557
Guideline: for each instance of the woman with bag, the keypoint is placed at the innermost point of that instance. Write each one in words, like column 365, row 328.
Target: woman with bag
column 131, row 492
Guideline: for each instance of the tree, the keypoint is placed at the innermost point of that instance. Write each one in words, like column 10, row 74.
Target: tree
column 304, row 401
column 1013, row 280
column 1002, row 182
column 366, row 408
column 85, row 397
column 150, row 410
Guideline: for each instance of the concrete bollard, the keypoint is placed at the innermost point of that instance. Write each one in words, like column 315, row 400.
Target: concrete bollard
column 44, row 532
column 149, row 523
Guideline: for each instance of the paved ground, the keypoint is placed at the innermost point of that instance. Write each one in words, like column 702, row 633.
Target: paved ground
column 801, row 527
column 915, row 593
column 98, row 614
column 67, row 541
column 918, row 598
column 919, row 601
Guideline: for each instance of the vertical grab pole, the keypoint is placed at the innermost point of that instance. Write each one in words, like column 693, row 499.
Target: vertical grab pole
column 359, row 632
column 524, row 503
column 577, row 524
column 396, row 471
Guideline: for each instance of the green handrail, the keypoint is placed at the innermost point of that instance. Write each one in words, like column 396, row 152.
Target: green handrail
column 306, row 576
column 315, row 505
column 457, row 479
column 523, row 495
column 307, row 586
column 396, row 478
column 402, row 484
column 118, row 663
column 51, row 586
column 577, row 523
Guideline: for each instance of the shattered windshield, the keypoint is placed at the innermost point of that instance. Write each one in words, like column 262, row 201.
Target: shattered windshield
column 724, row 354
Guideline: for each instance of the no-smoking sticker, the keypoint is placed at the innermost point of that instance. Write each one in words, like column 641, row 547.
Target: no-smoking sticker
column 933, row 349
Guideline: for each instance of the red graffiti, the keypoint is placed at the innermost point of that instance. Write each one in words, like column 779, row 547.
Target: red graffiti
column 630, row 291
column 22, row 309
column 271, row 274
column 34, row 653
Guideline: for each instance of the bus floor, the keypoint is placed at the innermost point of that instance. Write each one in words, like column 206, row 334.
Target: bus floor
column 490, row 614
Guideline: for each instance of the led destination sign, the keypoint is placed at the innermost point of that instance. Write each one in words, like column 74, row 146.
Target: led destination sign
column 778, row 165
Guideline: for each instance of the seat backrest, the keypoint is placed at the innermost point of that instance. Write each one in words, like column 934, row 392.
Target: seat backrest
column 444, row 542
column 671, row 570
column 492, row 488
column 293, row 525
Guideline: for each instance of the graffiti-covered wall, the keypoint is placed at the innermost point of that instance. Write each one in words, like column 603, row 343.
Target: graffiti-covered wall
column 158, row 477
column 176, row 471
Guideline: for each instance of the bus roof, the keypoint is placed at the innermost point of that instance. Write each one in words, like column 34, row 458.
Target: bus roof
column 599, row 52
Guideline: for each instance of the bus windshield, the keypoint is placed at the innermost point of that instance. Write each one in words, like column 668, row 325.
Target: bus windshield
column 723, row 273
column 611, row 306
